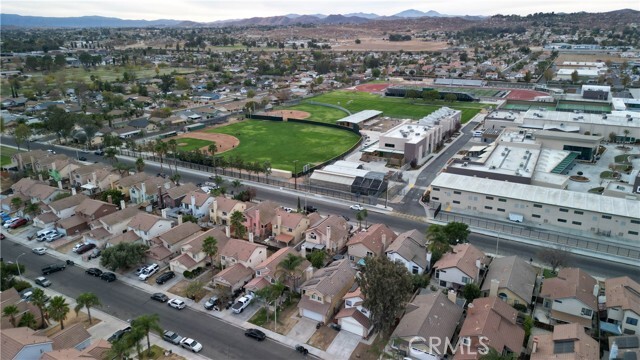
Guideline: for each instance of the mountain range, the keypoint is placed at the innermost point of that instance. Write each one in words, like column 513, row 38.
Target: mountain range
column 14, row 20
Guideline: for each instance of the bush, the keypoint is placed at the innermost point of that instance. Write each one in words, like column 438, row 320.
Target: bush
column 413, row 163
column 520, row 307
column 187, row 274
column 20, row 285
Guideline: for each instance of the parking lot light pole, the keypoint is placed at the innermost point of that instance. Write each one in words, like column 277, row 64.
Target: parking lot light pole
column 18, row 264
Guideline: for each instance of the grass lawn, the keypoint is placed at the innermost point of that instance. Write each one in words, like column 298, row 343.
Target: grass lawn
column 394, row 107
column 281, row 143
column 5, row 155
column 321, row 113
column 191, row 144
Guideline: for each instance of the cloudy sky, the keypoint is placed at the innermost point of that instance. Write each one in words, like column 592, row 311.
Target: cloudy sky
column 211, row 10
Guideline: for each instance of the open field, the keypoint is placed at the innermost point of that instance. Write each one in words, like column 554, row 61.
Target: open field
column 377, row 44
column 190, row 144
column 392, row 107
column 281, row 142
column 201, row 140
column 5, row 155
column 320, row 113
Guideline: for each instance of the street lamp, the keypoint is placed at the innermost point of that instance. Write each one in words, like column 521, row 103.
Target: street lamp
column 18, row 264
column 295, row 173
column 306, row 170
column 497, row 242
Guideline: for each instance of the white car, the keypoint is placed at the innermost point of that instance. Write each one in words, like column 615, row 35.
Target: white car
column 287, row 209
column 8, row 223
column 177, row 304
column 52, row 237
column 357, row 207
column 191, row 344
column 39, row 250
column 148, row 272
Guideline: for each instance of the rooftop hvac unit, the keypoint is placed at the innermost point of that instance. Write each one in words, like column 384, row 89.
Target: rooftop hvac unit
column 521, row 165
column 504, row 153
column 492, row 167
column 465, row 164
column 604, row 116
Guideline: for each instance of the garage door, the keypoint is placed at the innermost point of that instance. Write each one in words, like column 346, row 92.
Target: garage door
column 350, row 326
column 312, row 315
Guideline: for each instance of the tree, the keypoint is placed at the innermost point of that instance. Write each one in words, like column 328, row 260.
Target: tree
column 173, row 146
column 87, row 300
column 116, row 196
column 161, row 148
column 167, row 83
column 548, row 75
column 28, row 320
column 39, row 299
column 32, row 209
column 613, row 136
column 317, row 258
column 213, row 148
column 450, row 97
column 22, row 134
column 7, row 274
column 527, row 77
column 430, row 95
column 110, row 153
column 146, row 324
column 210, row 247
column 123, row 256
column 58, row 310
column 237, row 224
column 574, row 76
column 140, row 165
column 11, row 311
column 470, row 292
column 555, row 257
column 289, row 268
column 16, row 203
column 362, row 215
column 58, row 121
column 120, row 349
column 193, row 289
column 386, row 286
column 189, row 218
column 269, row 294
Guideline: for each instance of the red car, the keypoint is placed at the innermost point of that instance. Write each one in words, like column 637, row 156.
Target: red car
column 19, row 223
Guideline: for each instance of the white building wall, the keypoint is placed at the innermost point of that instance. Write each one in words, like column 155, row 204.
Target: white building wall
column 452, row 276
column 572, row 307
column 394, row 256
column 630, row 328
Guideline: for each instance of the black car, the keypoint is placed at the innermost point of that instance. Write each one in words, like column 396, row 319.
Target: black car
column 82, row 158
column 52, row 268
column 345, row 217
column 165, row 277
column 160, row 297
column 256, row 334
column 108, row 276
column 99, row 152
column 310, row 209
column 94, row 271
column 118, row 334
column 84, row 248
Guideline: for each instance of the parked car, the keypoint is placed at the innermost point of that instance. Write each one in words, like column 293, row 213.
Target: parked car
column 356, row 207
column 191, row 344
column 211, row 303
column 256, row 334
column 310, row 209
column 288, row 209
column 77, row 246
column 42, row 234
column 94, row 271
column 171, row 337
column 95, row 254
column 118, row 334
column 177, row 304
column 28, row 293
column 19, row 223
column 53, row 237
column 39, row 250
column 8, row 223
column 2, row 236
column 82, row 158
column 160, row 297
column 140, row 269
column 165, row 277
column 99, row 152
column 84, row 248
column 43, row 281
column 148, row 272
column 108, row 276
column 52, row 268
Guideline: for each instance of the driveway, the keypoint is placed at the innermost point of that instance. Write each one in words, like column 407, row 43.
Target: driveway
column 303, row 330
column 343, row 345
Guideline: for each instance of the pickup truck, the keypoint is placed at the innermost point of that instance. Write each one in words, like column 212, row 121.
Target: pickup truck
column 242, row 303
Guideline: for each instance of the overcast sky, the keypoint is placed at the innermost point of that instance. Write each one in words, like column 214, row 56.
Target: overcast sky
column 211, row 10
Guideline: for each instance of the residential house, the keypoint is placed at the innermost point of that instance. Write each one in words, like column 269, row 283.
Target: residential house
column 36, row 191
column 330, row 234
column 269, row 271
column 260, row 220
column 12, row 297
column 177, row 236
column 191, row 254
column 222, row 208
column 58, row 166
column 197, row 203
column 45, row 220
column 173, row 197
column 322, row 294
column 147, row 190
column 91, row 210
column 289, row 227
column 72, row 226
column 129, row 237
column 244, row 252
column 571, row 297
column 511, row 279
column 27, row 159
column 143, row 124
column 370, row 242
column 491, row 322
column 410, row 249
column 23, row 344
column 354, row 317
column 567, row 342
column 125, row 183
column 116, row 222
column 623, row 304
column 93, row 177
column 72, row 337
column 148, row 226
column 66, row 207
column 464, row 264
column 432, row 316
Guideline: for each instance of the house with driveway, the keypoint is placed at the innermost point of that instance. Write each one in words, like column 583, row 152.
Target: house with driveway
column 464, row 264
column 322, row 294
column 148, row 226
column 197, row 203
column 242, row 252
column 269, row 271
column 173, row 196
column 66, row 207
column 289, row 227
column 410, row 249
column 568, row 341
column 370, row 242
column 354, row 317
column 191, row 254
column 330, row 233
column 260, row 219
column 570, row 297
column 510, row 278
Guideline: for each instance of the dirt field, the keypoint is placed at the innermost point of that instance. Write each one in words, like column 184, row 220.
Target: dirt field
column 296, row 114
column 377, row 44
column 587, row 57
column 524, row 94
column 223, row 141
column 372, row 88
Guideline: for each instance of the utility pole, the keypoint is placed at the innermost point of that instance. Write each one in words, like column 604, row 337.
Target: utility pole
column 306, row 170
column 295, row 173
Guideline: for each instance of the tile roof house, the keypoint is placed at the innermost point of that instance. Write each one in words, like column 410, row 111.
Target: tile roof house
column 354, row 317
column 173, row 197
column 191, row 254
column 410, row 249
column 116, row 222
column 177, row 236
column 464, row 264
column 570, row 297
column 147, row 190
column 222, row 208
column 322, row 294
column 91, row 210
column 492, row 322
column 72, row 226
column 567, row 342
column 128, row 237
column 623, row 303
column 510, row 278
column 233, row 277
column 430, row 315
column 36, row 191
column 289, row 228
column 12, row 297
column 45, row 220
column 260, row 219
column 94, row 177
column 74, row 336
column 370, row 242
column 21, row 160
column 148, row 226
column 244, row 252
column 23, row 344
column 197, row 203
column 330, row 233
column 268, row 272
column 65, row 207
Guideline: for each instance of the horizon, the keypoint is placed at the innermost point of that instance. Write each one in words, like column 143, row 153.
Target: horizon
column 216, row 10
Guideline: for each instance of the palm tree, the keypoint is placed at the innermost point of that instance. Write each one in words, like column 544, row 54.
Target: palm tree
column 176, row 178
column 210, row 247
column 161, row 148
column 32, row 209
column 173, row 145
column 119, row 350
column 147, row 323
column 58, row 310
column 39, row 299
column 213, row 148
column 110, row 154
column 16, row 202
column 236, row 184
column 11, row 311
column 289, row 268
column 266, row 169
column 237, row 223
column 28, row 320
column 87, row 300
column 140, row 164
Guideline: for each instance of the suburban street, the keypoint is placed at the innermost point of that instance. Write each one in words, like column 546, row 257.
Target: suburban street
column 220, row 340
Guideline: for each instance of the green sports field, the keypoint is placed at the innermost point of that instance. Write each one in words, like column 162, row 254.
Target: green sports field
column 189, row 144
column 5, row 155
column 320, row 113
column 283, row 142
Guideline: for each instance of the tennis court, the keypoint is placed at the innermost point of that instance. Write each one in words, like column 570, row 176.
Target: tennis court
column 525, row 107
column 585, row 108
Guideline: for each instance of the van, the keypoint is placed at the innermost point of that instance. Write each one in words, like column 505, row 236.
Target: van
column 42, row 234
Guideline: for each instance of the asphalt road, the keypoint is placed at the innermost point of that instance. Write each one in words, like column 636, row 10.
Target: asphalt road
column 220, row 340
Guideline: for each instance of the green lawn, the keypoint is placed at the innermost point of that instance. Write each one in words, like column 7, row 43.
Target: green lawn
column 192, row 144
column 5, row 155
column 321, row 113
column 394, row 107
column 282, row 142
